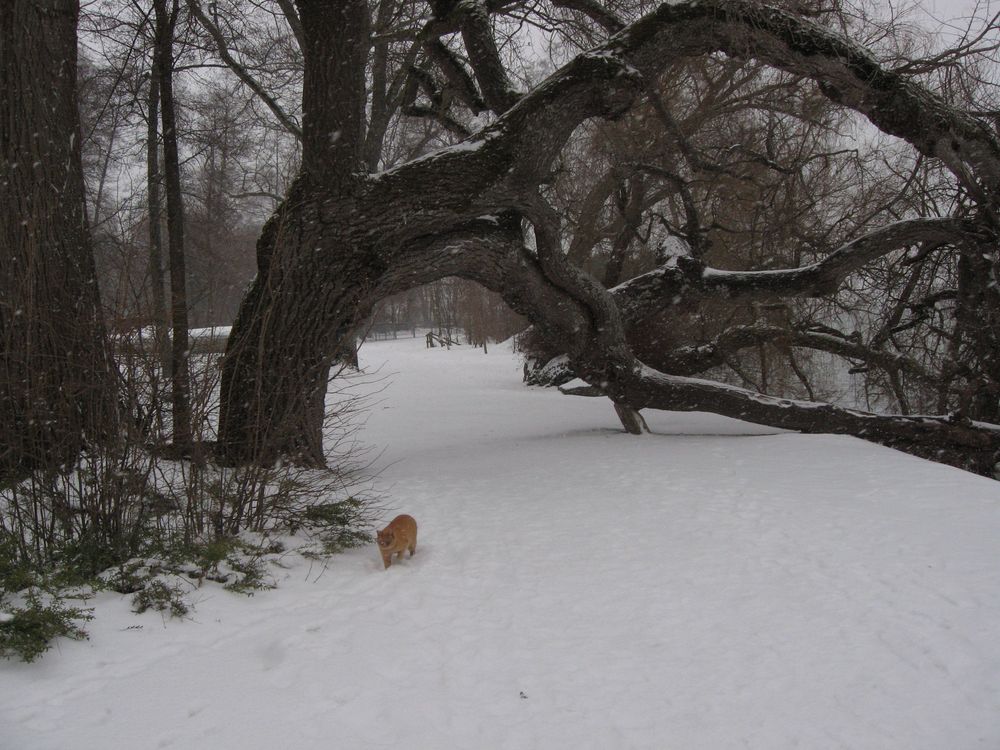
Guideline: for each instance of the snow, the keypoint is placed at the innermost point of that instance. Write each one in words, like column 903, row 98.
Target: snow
column 713, row 585
column 210, row 332
column 469, row 145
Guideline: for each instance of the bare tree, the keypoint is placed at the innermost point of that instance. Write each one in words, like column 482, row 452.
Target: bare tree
column 221, row 237
column 664, row 182
column 345, row 238
column 165, row 15
column 161, row 320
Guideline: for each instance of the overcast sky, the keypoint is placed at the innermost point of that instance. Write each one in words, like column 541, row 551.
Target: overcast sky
column 953, row 13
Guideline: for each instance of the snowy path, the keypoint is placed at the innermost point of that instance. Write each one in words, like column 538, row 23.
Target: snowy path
column 710, row 586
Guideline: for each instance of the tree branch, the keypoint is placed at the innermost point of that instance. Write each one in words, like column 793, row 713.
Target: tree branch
column 652, row 389
column 223, row 49
column 686, row 278
column 845, row 72
column 477, row 33
column 563, row 315
column 692, row 360
column 292, row 17
column 456, row 74
column 595, row 12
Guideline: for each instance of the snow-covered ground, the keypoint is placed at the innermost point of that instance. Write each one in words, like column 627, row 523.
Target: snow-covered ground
column 714, row 585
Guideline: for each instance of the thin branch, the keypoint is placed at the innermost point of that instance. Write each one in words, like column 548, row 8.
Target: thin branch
column 595, row 12
column 223, row 49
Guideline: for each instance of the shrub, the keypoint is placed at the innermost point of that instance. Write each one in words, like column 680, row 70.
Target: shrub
column 135, row 516
column 335, row 525
column 27, row 631
column 161, row 596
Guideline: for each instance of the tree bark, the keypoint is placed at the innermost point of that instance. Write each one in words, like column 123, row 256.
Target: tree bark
column 284, row 342
column 161, row 321
column 273, row 406
column 333, row 90
column 180, row 377
column 56, row 390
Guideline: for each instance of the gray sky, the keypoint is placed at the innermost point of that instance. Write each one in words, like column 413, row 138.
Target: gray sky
column 953, row 14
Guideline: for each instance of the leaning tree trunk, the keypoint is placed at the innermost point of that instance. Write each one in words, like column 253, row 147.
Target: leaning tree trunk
column 273, row 406
column 55, row 385
column 301, row 308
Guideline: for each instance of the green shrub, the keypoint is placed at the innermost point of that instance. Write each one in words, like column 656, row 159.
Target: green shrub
column 237, row 563
column 27, row 632
column 161, row 596
column 337, row 526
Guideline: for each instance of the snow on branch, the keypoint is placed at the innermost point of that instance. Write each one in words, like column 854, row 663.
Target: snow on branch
column 684, row 277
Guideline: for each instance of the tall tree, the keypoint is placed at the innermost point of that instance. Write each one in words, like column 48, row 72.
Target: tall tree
column 165, row 14
column 343, row 238
column 333, row 102
column 55, row 380
column 154, row 210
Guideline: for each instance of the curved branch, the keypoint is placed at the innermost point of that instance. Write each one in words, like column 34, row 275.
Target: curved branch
column 845, row 72
column 606, row 81
column 595, row 11
column 359, row 230
column 565, row 319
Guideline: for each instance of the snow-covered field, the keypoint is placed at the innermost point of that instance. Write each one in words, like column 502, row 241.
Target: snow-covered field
column 710, row 586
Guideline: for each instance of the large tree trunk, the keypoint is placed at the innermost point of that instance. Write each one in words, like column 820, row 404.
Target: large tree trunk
column 55, row 386
column 316, row 280
column 274, row 373
column 295, row 321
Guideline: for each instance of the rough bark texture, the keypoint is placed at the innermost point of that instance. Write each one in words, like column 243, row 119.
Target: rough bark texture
column 55, row 392
column 336, row 36
column 299, row 313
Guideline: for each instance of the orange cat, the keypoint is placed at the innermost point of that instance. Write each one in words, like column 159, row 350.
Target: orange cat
column 399, row 535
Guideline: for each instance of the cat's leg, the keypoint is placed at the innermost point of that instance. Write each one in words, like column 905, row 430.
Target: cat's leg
column 386, row 559
column 413, row 547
